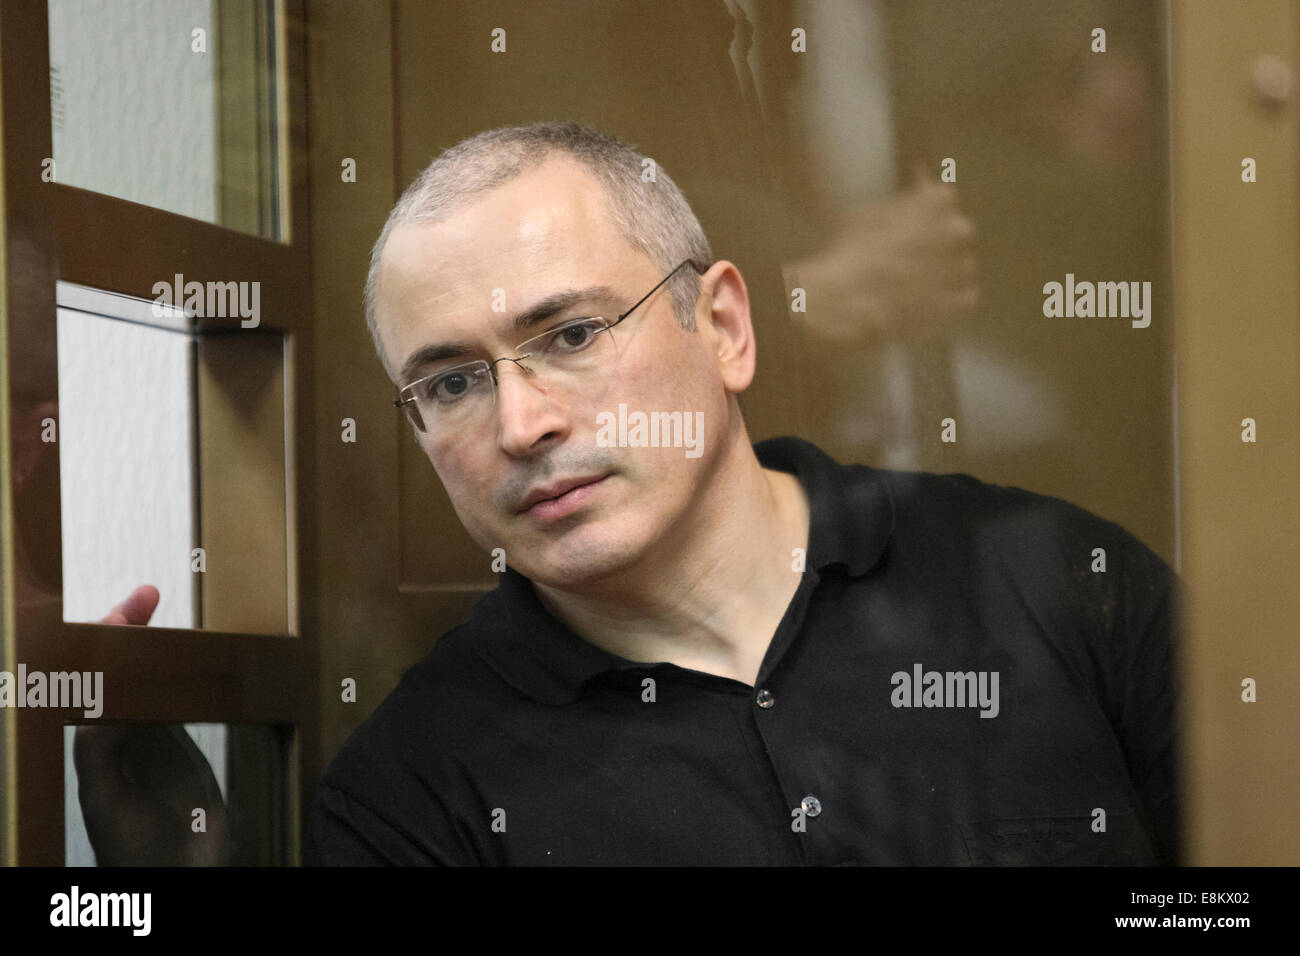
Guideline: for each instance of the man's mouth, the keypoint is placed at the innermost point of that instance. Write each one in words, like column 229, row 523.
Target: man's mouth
column 560, row 498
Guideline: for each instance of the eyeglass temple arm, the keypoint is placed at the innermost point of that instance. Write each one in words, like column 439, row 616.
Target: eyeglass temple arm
column 659, row 283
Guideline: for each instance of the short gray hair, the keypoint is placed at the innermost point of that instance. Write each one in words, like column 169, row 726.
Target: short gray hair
column 651, row 214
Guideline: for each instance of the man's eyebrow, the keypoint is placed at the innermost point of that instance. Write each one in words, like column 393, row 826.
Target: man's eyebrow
column 535, row 314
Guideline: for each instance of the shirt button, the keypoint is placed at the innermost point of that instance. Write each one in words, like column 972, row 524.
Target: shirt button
column 811, row 805
column 765, row 699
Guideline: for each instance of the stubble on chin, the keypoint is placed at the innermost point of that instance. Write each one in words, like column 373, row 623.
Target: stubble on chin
column 579, row 561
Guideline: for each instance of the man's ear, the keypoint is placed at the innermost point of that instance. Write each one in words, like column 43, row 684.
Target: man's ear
column 726, row 324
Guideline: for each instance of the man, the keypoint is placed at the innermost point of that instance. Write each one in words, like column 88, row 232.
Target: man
column 704, row 651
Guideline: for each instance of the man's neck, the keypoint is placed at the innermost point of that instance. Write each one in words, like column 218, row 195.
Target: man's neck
column 711, row 599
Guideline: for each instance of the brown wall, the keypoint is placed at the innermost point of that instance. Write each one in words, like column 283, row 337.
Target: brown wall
column 1236, row 247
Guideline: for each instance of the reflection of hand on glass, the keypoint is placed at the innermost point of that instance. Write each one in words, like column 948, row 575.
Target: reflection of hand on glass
column 903, row 269
column 140, row 785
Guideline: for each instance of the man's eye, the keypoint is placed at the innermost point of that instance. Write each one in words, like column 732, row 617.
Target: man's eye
column 451, row 386
column 574, row 338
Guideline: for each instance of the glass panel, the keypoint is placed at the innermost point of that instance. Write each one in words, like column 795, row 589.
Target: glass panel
column 175, row 794
column 170, row 103
column 150, row 412
column 126, row 462
column 949, row 163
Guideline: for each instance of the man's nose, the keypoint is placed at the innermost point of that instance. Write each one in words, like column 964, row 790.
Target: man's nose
column 527, row 410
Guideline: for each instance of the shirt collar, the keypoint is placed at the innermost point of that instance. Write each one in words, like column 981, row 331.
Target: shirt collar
column 851, row 512
column 850, row 523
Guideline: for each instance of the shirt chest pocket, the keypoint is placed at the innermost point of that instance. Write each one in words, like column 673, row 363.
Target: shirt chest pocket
column 1059, row 841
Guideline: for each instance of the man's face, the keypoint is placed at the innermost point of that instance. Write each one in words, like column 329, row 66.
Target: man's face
column 542, row 233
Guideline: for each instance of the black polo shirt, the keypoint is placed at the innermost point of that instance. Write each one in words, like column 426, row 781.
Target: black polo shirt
column 956, row 681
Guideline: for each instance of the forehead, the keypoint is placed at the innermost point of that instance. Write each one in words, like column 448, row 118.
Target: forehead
column 547, row 227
